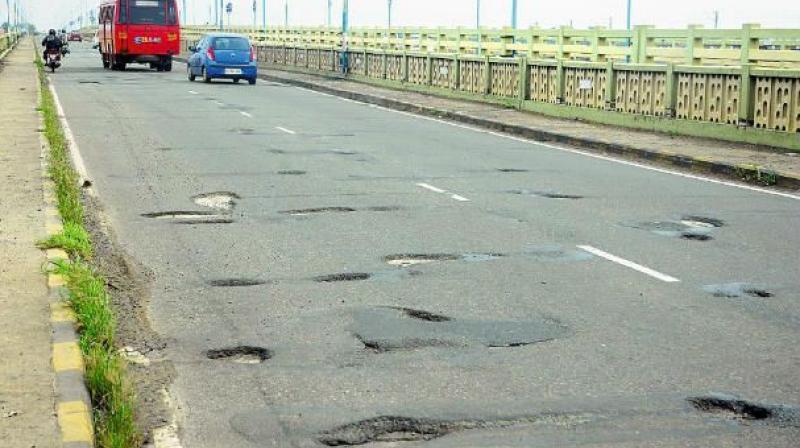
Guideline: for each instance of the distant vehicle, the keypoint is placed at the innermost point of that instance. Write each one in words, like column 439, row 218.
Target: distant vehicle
column 223, row 55
column 75, row 37
column 96, row 40
column 142, row 31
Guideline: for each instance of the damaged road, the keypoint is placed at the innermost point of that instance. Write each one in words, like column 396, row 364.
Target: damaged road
column 302, row 290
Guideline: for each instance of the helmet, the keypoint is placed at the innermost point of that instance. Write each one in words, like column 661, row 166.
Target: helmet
column 52, row 32
column 63, row 31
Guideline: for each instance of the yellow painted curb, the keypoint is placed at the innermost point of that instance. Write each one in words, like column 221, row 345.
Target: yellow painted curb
column 56, row 254
column 67, row 356
column 61, row 312
column 51, row 212
column 75, row 421
column 54, row 228
column 55, row 281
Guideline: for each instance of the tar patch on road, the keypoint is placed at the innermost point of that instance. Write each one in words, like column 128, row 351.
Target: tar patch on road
column 688, row 227
column 386, row 329
column 338, row 210
column 244, row 354
column 545, row 194
column 343, row 277
column 291, row 172
column 734, row 407
column 236, row 282
column 512, row 170
column 221, row 200
column 557, row 253
column 737, row 289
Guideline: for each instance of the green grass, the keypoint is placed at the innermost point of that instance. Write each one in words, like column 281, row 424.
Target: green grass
column 113, row 400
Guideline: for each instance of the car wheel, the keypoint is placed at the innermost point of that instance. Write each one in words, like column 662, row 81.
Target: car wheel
column 191, row 75
column 168, row 67
column 236, row 80
column 252, row 81
column 206, row 78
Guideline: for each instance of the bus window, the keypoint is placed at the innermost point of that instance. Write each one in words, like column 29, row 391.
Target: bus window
column 151, row 12
column 172, row 13
column 123, row 11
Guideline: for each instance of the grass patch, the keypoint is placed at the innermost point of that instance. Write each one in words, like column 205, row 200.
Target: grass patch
column 113, row 399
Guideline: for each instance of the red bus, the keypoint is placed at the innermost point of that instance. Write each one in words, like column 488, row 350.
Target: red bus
column 143, row 31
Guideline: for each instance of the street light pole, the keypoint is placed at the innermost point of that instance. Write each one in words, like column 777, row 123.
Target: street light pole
column 286, row 14
column 345, row 28
column 628, row 16
column 330, row 10
column 264, row 16
column 389, row 20
column 514, row 6
column 478, row 23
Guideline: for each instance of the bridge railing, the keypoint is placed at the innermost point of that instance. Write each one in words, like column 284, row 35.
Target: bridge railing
column 7, row 40
column 644, row 44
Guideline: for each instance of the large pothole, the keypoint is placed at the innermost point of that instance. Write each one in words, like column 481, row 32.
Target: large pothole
column 343, row 277
column 738, row 289
column 317, row 210
column 688, row 227
column 236, row 282
column 545, row 194
column 386, row 329
column 735, row 407
column 244, row 354
column 220, row 200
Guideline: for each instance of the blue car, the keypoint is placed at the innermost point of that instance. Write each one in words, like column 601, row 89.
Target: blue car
column 223, row 55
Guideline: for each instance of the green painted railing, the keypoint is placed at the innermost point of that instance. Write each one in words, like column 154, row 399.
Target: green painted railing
column 750, row 45
column 7, row 40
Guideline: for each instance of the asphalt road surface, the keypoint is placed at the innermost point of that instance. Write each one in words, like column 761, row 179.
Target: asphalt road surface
column 392, row 280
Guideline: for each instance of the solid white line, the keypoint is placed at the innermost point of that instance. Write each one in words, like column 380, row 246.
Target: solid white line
column 431, row 187
column 459, row 198
column 288, row 131
column 629, row 264
column 74, row 152
column 245, row 114
column 600, row 157
column 219, row 103
column 193, row 92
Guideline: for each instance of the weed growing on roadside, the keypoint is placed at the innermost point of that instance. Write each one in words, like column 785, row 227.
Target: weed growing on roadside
column 112, row 396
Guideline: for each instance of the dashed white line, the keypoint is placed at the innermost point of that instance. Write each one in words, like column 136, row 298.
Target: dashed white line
column 439, row 190
column 431, row 187
column 245, row 114
column 219, row 103
column 629, row 264
column 288, row 131
column 193, row 92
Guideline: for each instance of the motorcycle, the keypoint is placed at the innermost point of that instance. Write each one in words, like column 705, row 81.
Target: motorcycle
column 53, row 59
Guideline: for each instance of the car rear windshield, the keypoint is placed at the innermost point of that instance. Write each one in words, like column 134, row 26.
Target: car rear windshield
column 231, row 43
column 148, row 12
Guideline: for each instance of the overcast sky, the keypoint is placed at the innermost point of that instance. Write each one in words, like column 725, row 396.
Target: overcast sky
column 495, row 13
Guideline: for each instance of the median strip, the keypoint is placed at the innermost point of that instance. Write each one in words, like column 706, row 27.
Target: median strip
column 105, row 415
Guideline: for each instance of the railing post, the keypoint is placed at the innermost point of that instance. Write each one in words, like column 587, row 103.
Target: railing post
column 595, row 39
column 747, row 43
column 457, row 70
column 641, row 42
column 560, row 81
column 487, row 75
column 428, row 69
column 671, row 91
column 385, row 63
column 691, row 43
column 611, row 85
column 405, row 67
column 560, row 42
column 746, row 94
column 524, row 80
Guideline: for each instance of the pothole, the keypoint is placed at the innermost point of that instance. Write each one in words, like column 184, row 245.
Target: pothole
column 343, row 277
column 702, row 221
column 404, row 260
column 291, row 172
column 738, row 289
column 545, row 194
column 311, row 211
column 243, row 354
column 387, row 329
column 696, row 236
column 384, row 208
column 236, row 282
column 89, row 82
column 555, row 253
column 221, row 200
column 414, row 259
column 243, row 131
column 179, row 215
column 512, row 170
column 423, row 315
column 736, row 407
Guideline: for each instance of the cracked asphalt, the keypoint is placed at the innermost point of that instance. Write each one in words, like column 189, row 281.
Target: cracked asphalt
column 551, row 298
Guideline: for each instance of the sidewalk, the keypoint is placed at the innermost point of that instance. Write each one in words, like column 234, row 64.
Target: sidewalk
column 27, row 403
column 723, row 159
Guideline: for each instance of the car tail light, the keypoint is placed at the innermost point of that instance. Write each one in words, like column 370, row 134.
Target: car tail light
column 210, row 54
column 252, row 54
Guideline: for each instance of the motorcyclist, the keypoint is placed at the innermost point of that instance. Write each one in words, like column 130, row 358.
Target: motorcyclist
column 64, row 42
column 51, row 42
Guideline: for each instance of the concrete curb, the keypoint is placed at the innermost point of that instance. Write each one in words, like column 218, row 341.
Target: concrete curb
column 752, row 174
column 73, row 403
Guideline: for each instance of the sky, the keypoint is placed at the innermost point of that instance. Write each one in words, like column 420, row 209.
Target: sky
column 450, row 13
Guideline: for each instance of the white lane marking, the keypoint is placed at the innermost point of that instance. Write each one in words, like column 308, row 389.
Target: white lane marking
column 219, row 103
column 599, row 156
column 629, row 264
column 459, row 198
column 314, row 91
column 431, row 187
column 348, row 100
column 288, row 131
column 193, row 92
column 245, row 114
column 77, row 160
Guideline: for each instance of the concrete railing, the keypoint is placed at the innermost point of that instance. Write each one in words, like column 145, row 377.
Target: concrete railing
column 7, row 40
column 738, row 103
column 750, row 45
